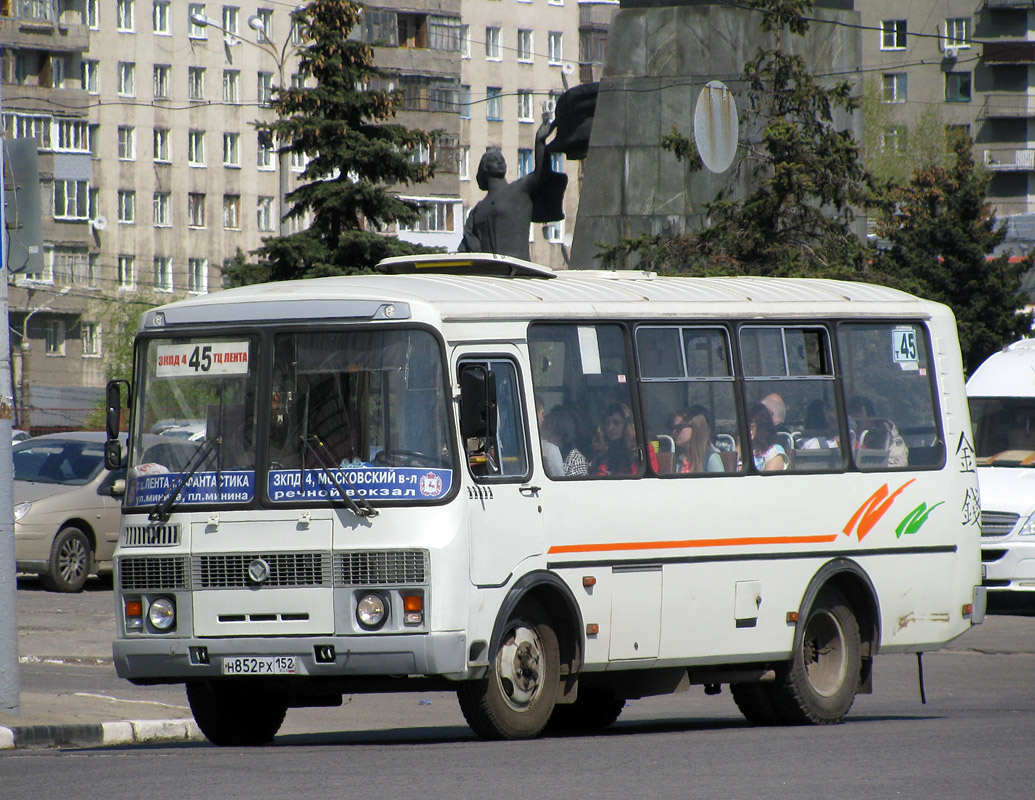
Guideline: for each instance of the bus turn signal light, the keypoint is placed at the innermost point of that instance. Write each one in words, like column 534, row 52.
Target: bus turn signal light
column 134, row 614
column 413, row 608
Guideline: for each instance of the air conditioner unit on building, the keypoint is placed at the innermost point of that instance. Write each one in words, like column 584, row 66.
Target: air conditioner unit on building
column 951, row 51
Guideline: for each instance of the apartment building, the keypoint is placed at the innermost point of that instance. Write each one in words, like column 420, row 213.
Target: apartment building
column 969, row 65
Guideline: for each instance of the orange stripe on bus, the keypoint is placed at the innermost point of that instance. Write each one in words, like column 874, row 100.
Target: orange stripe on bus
column 753, row 540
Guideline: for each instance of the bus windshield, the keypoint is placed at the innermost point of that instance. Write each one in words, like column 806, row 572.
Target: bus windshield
column 1004, row 431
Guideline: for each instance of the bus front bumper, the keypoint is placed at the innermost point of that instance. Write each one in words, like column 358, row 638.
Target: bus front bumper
column 158, row 660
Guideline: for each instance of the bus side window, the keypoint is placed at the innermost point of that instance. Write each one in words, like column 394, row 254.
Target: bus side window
column 496, row 447
column 889, row 396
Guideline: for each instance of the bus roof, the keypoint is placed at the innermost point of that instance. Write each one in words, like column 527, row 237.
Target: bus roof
column 456, row 290
column 1007, row 373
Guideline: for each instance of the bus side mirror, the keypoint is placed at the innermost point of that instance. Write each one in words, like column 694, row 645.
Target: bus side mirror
column 112, row 423
column 477, row 403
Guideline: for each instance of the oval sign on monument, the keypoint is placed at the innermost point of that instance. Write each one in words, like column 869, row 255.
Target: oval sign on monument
column 716, row 126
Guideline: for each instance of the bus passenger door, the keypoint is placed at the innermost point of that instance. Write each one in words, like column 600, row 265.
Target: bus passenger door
column 504, row 506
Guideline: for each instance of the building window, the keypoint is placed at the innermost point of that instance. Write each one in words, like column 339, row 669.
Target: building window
column 231, row 86
column 264, row 214
column 93, row 14
column 893, row 87
column 127, row 206
column 553, row 232
column 127, row 273
column 71, row 267
column 525, row 52
column 124, row 15
column 231, row 19
column 264, row 31
column 297, row 33
column 127, row 143
column 494, row 103
column 493, row 44
column 161, row 81
column 163, row 269
column 893, row 34
column 24, row 126
column 526, row 161
column 592, row 46
column 444, row 33
column 197, row 275
column 71, row 199
column 265, row 88
column 463, row 162
column 196, row 148
column 90, row 73
column 196, row 31
column 127, row 78
column 160, row 212
column 54, row 335
column 264, row 157
column 90, row 333
column 298, row 159
column 161, row 142
column 557, row 162
column 556, row 2
column 465, row 41
column 195, row 210
column 232, row 149
column 195, row 83
column 956, row 31
column 432, row 217
column 232, row 211
column 91, row 139
column 957, row 87
column 73, row 136
column 525, row 111
column 894, row 139
column 555, row 47
column 160, row 17
column 465, row 101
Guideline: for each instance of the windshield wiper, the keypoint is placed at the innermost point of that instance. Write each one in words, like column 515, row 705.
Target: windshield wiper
column 358, row 505
column 160, row 511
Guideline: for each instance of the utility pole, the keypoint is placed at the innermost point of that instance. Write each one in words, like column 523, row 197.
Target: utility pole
column 9, row 689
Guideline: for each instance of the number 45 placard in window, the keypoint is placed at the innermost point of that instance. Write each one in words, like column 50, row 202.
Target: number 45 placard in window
column 190, row 360
column 904, row 349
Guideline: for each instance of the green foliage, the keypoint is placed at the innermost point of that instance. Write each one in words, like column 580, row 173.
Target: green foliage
column 940, row 232
column 892, row 149
column 354, row 155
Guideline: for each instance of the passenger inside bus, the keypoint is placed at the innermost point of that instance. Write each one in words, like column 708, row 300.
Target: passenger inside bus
column 692, row 434
column 767, row 454
column 820, row 432
column 560, row 427
column 617, row 447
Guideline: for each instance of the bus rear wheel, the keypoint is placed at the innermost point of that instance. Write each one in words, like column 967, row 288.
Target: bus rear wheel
column 515, row 699
column 236, row 713
column 821, row 680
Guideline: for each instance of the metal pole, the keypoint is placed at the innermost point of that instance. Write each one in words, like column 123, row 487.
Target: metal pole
column 9, row 688
column 284, row 166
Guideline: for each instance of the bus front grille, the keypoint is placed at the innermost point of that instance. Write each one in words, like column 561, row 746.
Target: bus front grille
column 381, row 567
column 140, row 573
column 151, row 536
column 285, row 570
column 997, row 523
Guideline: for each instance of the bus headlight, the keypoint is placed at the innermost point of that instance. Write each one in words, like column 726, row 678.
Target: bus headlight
column 371, row 611
column 162, row 613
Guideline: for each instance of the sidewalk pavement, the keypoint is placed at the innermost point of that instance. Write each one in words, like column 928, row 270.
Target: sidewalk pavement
column 68, row 717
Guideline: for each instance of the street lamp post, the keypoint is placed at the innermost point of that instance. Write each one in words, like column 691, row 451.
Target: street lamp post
column 24, row 350
column 280, row 57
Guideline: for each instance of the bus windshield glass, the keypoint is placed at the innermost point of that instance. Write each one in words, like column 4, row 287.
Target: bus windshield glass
column 358, row 414
column 199, row 395
column 1004, row 431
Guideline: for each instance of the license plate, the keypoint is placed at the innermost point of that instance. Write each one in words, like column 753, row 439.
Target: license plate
column 259, row 665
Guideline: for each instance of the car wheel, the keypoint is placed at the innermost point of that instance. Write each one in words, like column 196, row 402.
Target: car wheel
column 71, row 558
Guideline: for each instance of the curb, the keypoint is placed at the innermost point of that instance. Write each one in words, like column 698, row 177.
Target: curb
column 102, row 734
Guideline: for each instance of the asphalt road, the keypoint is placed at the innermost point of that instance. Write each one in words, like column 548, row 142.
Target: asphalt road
column 972, row 739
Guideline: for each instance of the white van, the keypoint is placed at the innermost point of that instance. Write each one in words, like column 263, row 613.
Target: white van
column 1002, row 407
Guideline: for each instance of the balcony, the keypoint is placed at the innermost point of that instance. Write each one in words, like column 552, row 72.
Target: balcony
column 993, row 4
column 1008, row 106
column 53, row 37
column 1010, row 160
column 1009, row 52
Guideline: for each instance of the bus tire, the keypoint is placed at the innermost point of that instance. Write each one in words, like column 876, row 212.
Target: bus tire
column 515, row 699
column 71, row 559
column 755, row 703
column 232, row 713
column 593, row 711
column 821, row 680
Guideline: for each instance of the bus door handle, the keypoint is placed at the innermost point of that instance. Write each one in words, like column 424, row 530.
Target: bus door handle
column 529, row 491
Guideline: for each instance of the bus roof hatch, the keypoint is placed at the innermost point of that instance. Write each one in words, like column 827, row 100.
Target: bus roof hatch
column 465, row 264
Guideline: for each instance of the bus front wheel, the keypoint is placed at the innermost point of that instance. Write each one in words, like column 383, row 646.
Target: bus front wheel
column 235, row 713
column 515, row 699
column 821, row 680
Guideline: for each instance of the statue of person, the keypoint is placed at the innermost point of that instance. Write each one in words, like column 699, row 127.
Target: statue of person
column 500, row 222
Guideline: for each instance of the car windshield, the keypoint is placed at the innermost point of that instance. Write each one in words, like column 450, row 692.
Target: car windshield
column 1004, row 431
column 68, row 462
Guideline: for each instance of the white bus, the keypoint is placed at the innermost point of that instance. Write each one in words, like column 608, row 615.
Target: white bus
column 551, row 493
